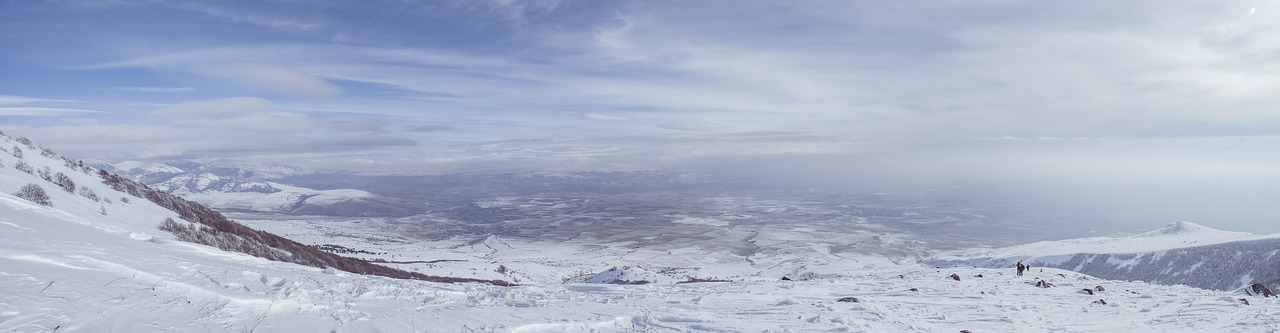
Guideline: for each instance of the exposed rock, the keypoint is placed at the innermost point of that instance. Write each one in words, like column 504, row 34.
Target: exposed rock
column 955, row 277
column 1261, row 289
column 1089, row 291
column 1043, row 284
column 1100, row 301
column 1099, row 288
column 850, row 299
column 1244, row 301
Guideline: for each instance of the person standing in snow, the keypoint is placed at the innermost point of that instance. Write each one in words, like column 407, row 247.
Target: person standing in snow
column 1021, row 268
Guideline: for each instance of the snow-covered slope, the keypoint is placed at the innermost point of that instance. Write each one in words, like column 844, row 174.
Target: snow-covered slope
column 70, row 268
column 238, row 187
column 1181, row 252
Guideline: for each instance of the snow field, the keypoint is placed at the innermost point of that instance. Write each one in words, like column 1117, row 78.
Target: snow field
column 69, row 268
column 117, row 283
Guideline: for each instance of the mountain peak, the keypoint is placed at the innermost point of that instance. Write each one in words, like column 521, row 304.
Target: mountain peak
column 1181, row 228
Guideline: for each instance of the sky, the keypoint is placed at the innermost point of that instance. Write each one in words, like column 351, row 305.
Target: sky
column 1092, row 92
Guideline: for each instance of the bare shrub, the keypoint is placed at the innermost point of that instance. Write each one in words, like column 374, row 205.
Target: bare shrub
column 45, row 173
column 24, row 167
column 88, row 193
column 34, row 193
column 64, row 182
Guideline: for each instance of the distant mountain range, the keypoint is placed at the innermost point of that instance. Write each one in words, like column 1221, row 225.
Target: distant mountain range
column 255, row 188
column 1179, row 253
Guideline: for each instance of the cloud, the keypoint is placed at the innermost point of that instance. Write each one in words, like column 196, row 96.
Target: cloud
column 259, row 114
column 897, row 75
column 11, row 100
column 279, row 80
column 197, row 111
column 166, row 140
column 369, row 142
column 42, row 111
column 156, row 89
column 255, row 18
column 604, row 117
column 429, row 128
column 518, row 12
column 35, row 110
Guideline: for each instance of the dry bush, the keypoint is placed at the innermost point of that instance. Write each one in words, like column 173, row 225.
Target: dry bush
column 34, row 193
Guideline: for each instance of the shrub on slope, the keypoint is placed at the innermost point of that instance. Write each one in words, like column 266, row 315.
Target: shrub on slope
column 34, row 193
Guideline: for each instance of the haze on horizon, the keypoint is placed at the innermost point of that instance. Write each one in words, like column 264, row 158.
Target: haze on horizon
column 1159, row 110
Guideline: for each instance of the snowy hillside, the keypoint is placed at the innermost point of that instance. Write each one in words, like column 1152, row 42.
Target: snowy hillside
column 1181, row 252
column 80, row 265
column 240, row 187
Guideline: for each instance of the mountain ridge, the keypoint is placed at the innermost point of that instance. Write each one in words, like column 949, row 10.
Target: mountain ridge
column 255, row 188
column 1178, row 253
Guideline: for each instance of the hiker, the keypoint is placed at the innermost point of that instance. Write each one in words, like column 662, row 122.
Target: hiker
column 1021, row 268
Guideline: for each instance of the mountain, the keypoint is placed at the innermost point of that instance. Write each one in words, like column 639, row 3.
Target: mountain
column 93, row 260
column 1179, row 253
column 247, row 187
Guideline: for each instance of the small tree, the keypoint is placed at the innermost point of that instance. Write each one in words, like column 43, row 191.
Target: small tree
column 24, row 167
column 64, row 182
column 45, row 173
column 88, row 193
column 17, row 152
column 35, row 194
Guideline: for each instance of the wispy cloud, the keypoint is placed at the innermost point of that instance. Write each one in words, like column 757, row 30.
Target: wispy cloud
column 41, row 111
column 20, row 106
column 255, row 18
column 429, row 128
column 11, row 100
column 279, row 79
column 156, row 89
column 604, row 117
column 900, row 75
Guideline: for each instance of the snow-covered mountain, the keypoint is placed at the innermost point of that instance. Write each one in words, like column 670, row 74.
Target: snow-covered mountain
column 91, row 261
column 246, row 187
column 1179, row 253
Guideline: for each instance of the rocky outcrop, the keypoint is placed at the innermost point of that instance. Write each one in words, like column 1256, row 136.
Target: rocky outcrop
column 1258, row 289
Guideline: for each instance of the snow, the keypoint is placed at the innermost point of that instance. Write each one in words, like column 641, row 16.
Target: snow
column 147, row 167
column 285, row 200
column 68, row 268
column 239, row 187
column 1179, row 253
column 699, row 221
column 1172, row 236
